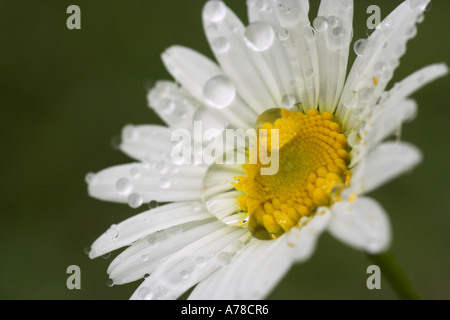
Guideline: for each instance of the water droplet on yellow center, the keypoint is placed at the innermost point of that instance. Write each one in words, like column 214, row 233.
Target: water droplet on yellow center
column 313, row 168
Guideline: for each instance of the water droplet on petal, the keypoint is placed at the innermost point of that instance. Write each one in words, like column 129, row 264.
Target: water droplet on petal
column 166, row 106
column 144, row 257
column 110, row 282
column 360, row 47
column 89, row 177
column 87, row 249
column 123, row 186
column 349, row 99
column 310, row 33
column 288, row 101
column 164, row 183
column 129, row 133
column 184, row 274
column 152, row 241
column 282, row 34
column 259, row 36
column 112, row 233
column 221, row 45
column 219, row 92
column 333, row 21
column 224, row 258
column 135, row 173
column 153, row 204
column 173, row 231
column 135, row 200
column 162, row 167
column 320, row 23
column 214, row 11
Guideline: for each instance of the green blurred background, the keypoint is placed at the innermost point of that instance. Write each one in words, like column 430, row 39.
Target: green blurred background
column 64, row 94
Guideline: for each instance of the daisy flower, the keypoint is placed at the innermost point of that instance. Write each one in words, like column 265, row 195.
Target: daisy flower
column 223, row 227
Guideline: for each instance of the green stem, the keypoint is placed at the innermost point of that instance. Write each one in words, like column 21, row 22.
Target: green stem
column 394, row 273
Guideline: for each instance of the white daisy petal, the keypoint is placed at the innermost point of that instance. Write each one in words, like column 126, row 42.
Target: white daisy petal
column 414, row 82
column 378, row 57
column 187, row 267
column 384, row 163
column 268, row 260
column 362, row 224
column 147, row 142
column 160, row 181
column 145, row 223
column 143, row 257
column 334, row 33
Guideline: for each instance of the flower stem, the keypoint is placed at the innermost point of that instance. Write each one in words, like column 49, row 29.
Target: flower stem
column 394, row 273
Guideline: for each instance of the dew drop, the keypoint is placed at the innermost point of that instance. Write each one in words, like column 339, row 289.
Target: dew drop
column 337, row 32
column 214, row 11
column 349, row 99
column 259, row 36
column 129, row 133
column 360, row 47
column 144, row 257
column 282, row 34
column 89, row 177
column 320, row 23
column 309, row 72
column 224, row 258
column 219, row 92
column 112, row 233
column 333, row 21
column 184, row 274
column 173, row 231
column 221, row 45
column 153, row 204
column 87, row 249
column 364, row 94
column 110, row 282
column 164, row 183
column 135, row 173
column 347, row 4
column 288, row 101
column 200, row 261
column 116, row 141
column 123, row 186
column 152, row 241
column 162, row 167
column 135, row 200
column 166, row 106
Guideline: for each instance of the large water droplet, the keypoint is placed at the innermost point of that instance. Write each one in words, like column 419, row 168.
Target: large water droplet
column 349, row 99
column 89, row 177
column 268, row 116
column 333, row 21
column 135, row 200
column 214, row 11
column 110, row 282
column 219, row 92
column 259, row 36
column 123, row 186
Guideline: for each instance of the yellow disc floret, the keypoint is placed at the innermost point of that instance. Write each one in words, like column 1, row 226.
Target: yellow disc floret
column 313, row 160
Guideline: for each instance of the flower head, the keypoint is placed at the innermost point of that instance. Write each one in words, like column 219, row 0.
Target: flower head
column 285, row 78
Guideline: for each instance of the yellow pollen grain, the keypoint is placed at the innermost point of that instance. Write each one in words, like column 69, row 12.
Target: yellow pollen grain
column 313, row 161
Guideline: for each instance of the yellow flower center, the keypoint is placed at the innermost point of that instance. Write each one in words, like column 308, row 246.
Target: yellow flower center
column 313, row 168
